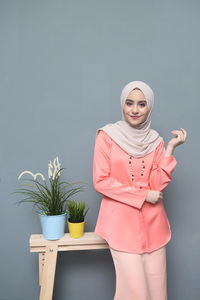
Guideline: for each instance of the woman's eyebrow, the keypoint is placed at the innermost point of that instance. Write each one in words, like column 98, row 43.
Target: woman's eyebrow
column 138, row 101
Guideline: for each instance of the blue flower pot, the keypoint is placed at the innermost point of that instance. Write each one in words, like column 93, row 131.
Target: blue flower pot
column 53, row 227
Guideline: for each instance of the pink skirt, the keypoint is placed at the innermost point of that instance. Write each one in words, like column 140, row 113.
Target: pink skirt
column 140, row 276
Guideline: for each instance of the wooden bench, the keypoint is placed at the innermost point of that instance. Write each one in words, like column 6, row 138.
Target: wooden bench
column 47, row 255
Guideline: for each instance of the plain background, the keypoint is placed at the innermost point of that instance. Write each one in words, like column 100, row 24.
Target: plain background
column 63, row 65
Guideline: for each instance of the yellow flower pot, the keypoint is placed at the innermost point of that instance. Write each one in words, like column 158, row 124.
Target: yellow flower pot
column 76, row 229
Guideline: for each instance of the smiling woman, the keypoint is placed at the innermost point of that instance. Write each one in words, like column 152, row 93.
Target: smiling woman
column 135, row 109
column 131, row 169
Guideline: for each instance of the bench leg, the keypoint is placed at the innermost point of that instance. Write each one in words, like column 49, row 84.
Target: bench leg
column 41, row 260
column 48, row 273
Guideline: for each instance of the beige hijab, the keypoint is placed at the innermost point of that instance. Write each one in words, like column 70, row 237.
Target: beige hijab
column 135, row 141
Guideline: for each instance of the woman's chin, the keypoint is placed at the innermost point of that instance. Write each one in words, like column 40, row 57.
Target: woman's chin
column 134, row 123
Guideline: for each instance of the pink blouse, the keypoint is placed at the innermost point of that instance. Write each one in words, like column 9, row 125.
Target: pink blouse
column 125, row 220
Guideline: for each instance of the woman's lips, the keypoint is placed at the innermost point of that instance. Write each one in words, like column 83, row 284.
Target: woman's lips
column 135, row 117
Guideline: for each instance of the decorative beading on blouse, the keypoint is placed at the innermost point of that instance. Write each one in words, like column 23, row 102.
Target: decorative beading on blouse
column 131, row 167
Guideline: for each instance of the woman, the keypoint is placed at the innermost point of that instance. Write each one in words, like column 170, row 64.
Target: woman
column 131, row 168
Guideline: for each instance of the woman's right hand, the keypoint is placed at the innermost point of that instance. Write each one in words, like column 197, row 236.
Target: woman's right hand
column 154, row 196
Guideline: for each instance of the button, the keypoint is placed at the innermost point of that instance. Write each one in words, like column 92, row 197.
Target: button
column 141, row 174
column 129, row 162
column 143, row 161
column 140, row 187
column 143, row 167
column 130, row 157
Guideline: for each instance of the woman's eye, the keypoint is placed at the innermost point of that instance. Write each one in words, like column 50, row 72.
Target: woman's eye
column 141, row 104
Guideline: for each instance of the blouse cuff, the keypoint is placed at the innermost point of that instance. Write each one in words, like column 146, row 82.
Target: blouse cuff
column 143, row 195
column 168, row 164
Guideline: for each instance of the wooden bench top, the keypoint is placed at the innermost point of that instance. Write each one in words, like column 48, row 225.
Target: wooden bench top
column 89, row 240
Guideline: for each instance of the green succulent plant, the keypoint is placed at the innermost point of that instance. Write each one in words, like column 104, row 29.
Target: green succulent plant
column 76, row 211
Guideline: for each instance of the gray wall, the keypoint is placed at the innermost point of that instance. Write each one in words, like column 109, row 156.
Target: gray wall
column 63, row 65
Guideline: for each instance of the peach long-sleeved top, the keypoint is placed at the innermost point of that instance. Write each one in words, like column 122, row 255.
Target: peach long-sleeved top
column 125, row 220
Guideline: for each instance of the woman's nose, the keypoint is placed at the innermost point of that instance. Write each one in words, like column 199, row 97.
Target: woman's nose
column 135, row 109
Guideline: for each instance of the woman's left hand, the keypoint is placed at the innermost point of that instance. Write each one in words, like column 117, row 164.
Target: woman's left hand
column 179, row 139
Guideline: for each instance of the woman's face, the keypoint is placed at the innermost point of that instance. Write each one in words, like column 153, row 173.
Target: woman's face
column 135, row 108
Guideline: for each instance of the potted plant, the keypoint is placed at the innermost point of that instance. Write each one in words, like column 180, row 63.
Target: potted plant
column 76, row 220
column 50, row 200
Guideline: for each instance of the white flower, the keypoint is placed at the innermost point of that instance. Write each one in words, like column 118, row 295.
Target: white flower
column 56, row 165
column 50, row 167
column 34, row 175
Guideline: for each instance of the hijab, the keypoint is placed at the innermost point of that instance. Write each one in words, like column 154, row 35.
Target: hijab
column 135, row 141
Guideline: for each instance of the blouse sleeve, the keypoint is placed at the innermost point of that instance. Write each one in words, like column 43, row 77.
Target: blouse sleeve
column 161, row 169
column 107, row 185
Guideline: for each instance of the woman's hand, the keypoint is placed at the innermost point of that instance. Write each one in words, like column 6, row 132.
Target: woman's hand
column 154, row 196
column 180, row 137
